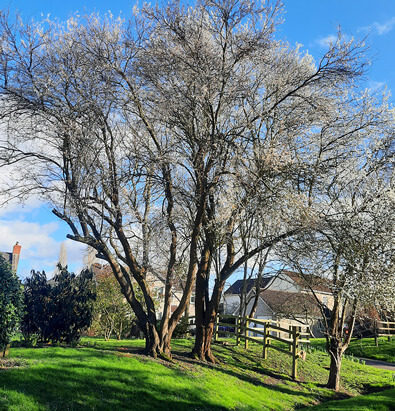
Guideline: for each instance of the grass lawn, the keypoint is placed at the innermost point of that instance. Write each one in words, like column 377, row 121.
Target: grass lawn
column 379, row 401
column 366, row 348
column 114, row 375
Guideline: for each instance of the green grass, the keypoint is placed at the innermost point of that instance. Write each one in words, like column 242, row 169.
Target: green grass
column 114, row 375
column 379, row 401
column 365, row 348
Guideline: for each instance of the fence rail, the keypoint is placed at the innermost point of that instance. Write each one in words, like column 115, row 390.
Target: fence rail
column 293, row 336
column 385, row 329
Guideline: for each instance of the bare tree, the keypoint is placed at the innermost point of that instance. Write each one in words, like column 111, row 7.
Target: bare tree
column 253, row 269
column 178, row 122
column 259, row 123
column 70, row 120
column 352, row 250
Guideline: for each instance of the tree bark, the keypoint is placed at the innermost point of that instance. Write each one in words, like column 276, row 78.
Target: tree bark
column 152, row 341
column 336, row 360
column 165, row 345
column 205, row 326
column 337, row 338
column 200, row 314
column 205, row 316
column 202, row 348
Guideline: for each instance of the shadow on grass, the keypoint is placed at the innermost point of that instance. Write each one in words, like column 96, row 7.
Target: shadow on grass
column 243, row 375
column 59, row 378
column 74, row 382
column 379, row 401
column 182, row 354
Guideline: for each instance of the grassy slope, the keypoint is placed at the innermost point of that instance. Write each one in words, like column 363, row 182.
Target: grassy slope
column 366, row 348
column 379, row 401
column 111, row 376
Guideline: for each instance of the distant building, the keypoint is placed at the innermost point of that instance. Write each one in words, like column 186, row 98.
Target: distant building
column 284, row 296
column 13, row 258
column 157, row 287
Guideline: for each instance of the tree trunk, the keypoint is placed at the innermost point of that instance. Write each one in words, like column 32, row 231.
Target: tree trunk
column 336, row 361
column 202, row 348
column 337, row 339
column 152, row 341
column 205, row 325
column 166, row 345
column 188, row 306
column 200, row 314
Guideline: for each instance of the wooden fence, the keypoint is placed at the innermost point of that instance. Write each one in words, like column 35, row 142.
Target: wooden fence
column 263, row 332
column 384, row 329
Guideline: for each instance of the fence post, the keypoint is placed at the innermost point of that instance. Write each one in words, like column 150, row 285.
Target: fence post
column 388, row 330
column 290, row 336
column 295, row 337
column 216, row 328
column 247, row 324
column 376, row 331
column 237, row 330
column 265, row 340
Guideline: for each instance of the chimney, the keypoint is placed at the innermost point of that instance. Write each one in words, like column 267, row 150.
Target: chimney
column 17, row 249
column 15, row 256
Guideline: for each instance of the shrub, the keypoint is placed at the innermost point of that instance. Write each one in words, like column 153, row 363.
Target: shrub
column 182, row 328
column 61, row 311
column 10, row 302
column 112, row 313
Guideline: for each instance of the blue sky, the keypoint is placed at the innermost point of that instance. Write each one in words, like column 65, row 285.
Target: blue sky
column 308, row 22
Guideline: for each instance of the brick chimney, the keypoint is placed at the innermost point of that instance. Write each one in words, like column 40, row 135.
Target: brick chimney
column 15, row 256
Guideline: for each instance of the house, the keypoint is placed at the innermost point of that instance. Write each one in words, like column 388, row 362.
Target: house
column 13, row 258
column 157, row 286
column 284, row 296
column 231, row 297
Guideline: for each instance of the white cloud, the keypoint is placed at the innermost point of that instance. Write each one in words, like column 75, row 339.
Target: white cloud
column 16, row 207
column 326, row 41
column 380, row 28
column 25, row 221
column 75, row 252
column 385, row 27
column 9, row 174
column 40, row 249
column 35, row 239
column 376, row 85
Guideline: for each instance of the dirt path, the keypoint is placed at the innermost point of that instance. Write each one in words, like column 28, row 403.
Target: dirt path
column 379, row 364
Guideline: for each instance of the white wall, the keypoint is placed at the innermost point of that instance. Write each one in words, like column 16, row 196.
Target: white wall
column 231, row 303
column 284, row 283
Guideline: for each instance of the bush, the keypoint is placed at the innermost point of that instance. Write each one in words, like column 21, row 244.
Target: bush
column 182, row 328
column 112, row 313
column 10, row 302
column 58, row 312
column 37, row 301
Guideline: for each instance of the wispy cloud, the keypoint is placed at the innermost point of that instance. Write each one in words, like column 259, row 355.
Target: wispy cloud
column 36, row 239
column 376, row 85
column 40, row 250
column 380, row 28
column 326, row 41
column 385, row 27
column 16, row 207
